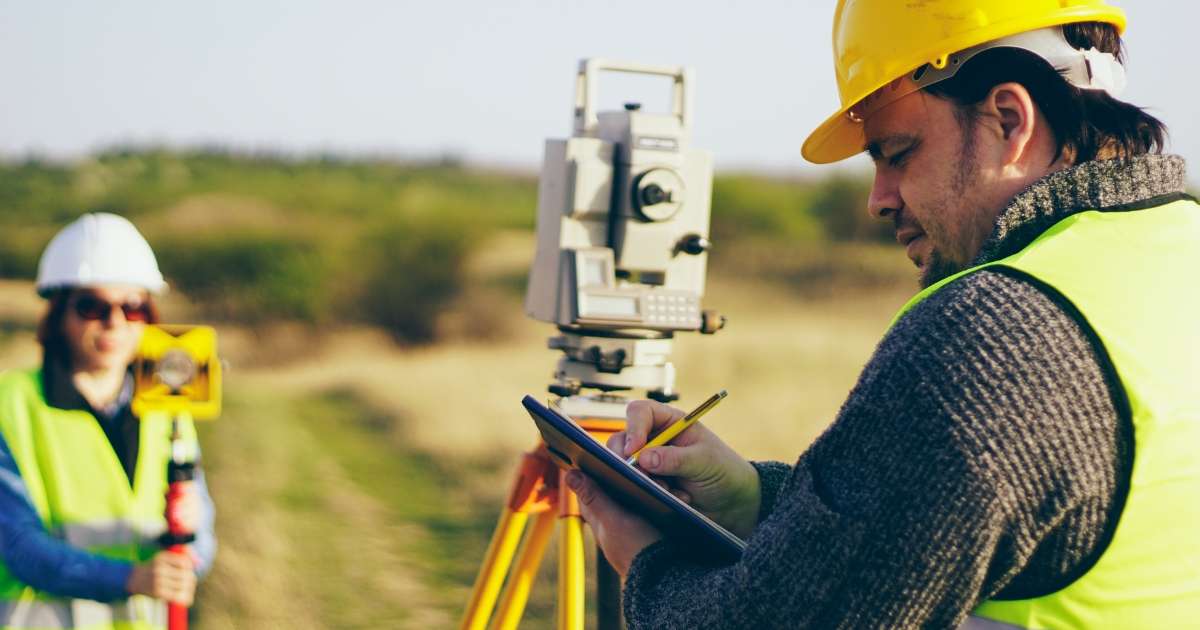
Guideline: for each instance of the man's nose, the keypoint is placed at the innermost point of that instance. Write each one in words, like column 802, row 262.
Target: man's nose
column 885, row 195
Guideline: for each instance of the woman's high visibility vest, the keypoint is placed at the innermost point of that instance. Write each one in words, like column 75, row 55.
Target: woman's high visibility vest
column 83, row 496
column 1131, row 279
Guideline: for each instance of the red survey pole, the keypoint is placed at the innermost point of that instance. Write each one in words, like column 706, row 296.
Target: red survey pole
column 181, row 468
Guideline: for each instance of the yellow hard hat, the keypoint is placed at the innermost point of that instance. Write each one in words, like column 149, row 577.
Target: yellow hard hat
column 877, row 42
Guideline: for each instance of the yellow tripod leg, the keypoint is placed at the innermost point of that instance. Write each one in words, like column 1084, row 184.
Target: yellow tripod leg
column 530, row 494
column 571, row 585
column 495, row 568
column 516, row 592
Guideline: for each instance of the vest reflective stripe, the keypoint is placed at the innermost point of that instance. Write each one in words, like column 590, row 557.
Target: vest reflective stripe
column 111, row 533
column 80, row 490
column 35, row 614
column 135, row 612
column 1132, row 278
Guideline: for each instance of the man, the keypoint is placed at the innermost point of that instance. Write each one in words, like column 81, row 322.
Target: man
column 1020, row 449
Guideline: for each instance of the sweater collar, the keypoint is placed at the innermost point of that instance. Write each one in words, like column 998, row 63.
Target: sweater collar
column 60, row 391
column 1104, row 185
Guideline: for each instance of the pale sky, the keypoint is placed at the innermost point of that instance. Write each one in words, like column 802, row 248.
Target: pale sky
column 488, row 81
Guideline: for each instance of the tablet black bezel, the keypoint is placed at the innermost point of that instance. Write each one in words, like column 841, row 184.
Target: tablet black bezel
column 730, row 546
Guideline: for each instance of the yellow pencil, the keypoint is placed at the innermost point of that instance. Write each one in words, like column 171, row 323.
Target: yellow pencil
column 669, row 433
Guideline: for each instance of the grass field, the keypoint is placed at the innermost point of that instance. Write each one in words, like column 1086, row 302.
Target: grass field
column 357, row 482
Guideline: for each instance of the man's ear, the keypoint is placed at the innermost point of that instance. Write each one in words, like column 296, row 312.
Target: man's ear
column 1014, row 119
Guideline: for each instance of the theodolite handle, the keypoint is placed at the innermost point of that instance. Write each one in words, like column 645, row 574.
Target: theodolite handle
column 587, row 81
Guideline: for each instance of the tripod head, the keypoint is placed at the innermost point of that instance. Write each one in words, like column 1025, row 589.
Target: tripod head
column 622, row 239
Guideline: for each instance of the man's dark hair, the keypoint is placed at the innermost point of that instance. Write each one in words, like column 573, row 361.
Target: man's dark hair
column 1087, row 124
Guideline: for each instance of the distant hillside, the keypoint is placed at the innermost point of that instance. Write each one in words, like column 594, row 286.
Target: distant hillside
column 313, row 239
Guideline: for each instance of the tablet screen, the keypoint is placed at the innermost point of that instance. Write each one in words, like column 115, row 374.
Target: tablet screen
column 571, row 447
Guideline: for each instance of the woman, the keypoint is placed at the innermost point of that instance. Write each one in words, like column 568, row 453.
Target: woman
column 82, row 480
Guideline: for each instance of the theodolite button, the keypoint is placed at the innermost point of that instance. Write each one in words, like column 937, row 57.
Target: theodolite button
column 694, row 244
column 711, row 322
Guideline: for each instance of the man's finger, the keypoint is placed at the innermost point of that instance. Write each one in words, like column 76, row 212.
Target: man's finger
column 639, row 419
column 616, row 443
column 583, row 487
column 674, row 461
column 595, row 506
column 177, row 560
column 643, row 417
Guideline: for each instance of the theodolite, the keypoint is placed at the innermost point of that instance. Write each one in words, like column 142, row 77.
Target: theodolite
column 622, row 248
column 622, row 240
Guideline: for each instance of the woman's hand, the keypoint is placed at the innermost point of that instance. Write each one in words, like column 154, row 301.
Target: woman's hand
column 699, row 468
column 167, row 576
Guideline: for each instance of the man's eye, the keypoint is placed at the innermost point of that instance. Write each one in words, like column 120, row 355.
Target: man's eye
column 899, row 158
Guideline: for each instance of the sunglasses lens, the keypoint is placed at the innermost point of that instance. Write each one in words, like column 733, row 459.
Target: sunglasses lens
column 135, row 312
column 91, row 308
column 94, row 309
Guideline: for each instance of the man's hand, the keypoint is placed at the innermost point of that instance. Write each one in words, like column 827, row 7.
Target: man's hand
column 167, row 576
column 701, row 469
column 620, row 534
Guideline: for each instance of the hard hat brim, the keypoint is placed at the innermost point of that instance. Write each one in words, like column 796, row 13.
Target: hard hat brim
column 158, row 289
column 834, row 140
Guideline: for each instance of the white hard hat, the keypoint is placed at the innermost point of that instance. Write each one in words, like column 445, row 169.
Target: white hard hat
column 98, row 249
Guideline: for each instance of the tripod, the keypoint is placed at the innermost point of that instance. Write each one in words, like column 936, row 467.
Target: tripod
column 538, row 492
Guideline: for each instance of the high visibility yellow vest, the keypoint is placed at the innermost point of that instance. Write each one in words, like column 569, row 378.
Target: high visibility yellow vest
column 1130, row 278
column 81, row 492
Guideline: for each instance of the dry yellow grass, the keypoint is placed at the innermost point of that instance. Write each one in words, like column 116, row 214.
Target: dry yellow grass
column 284, row 498
column 788, row 364
column 302, row 544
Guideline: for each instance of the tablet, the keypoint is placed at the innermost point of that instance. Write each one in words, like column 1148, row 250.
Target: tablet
column 572, row 448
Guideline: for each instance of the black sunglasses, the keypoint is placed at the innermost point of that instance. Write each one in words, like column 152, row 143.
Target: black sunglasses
column 92, row 308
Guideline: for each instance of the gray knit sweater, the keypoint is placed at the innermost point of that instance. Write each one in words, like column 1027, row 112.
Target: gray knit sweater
column 980, row 454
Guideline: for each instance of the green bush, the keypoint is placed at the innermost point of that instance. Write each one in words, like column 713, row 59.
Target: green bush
column 745, row 206
column 248, row 277
column 409, row 271
column 840, row 204
column 388, row 240
column 20, row 248
column 33, row 191
column 753, row 207
column 371, row 241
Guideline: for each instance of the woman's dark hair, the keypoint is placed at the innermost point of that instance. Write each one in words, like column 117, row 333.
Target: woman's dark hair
column 1087, row 124
column 50, row 326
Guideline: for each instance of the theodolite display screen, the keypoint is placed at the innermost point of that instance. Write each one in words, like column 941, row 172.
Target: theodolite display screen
column 608, row 305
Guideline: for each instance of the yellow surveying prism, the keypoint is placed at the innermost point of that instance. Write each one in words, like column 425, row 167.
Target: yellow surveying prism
column 177, row 371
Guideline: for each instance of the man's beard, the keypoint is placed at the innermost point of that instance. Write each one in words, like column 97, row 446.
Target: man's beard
column 939, row 266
